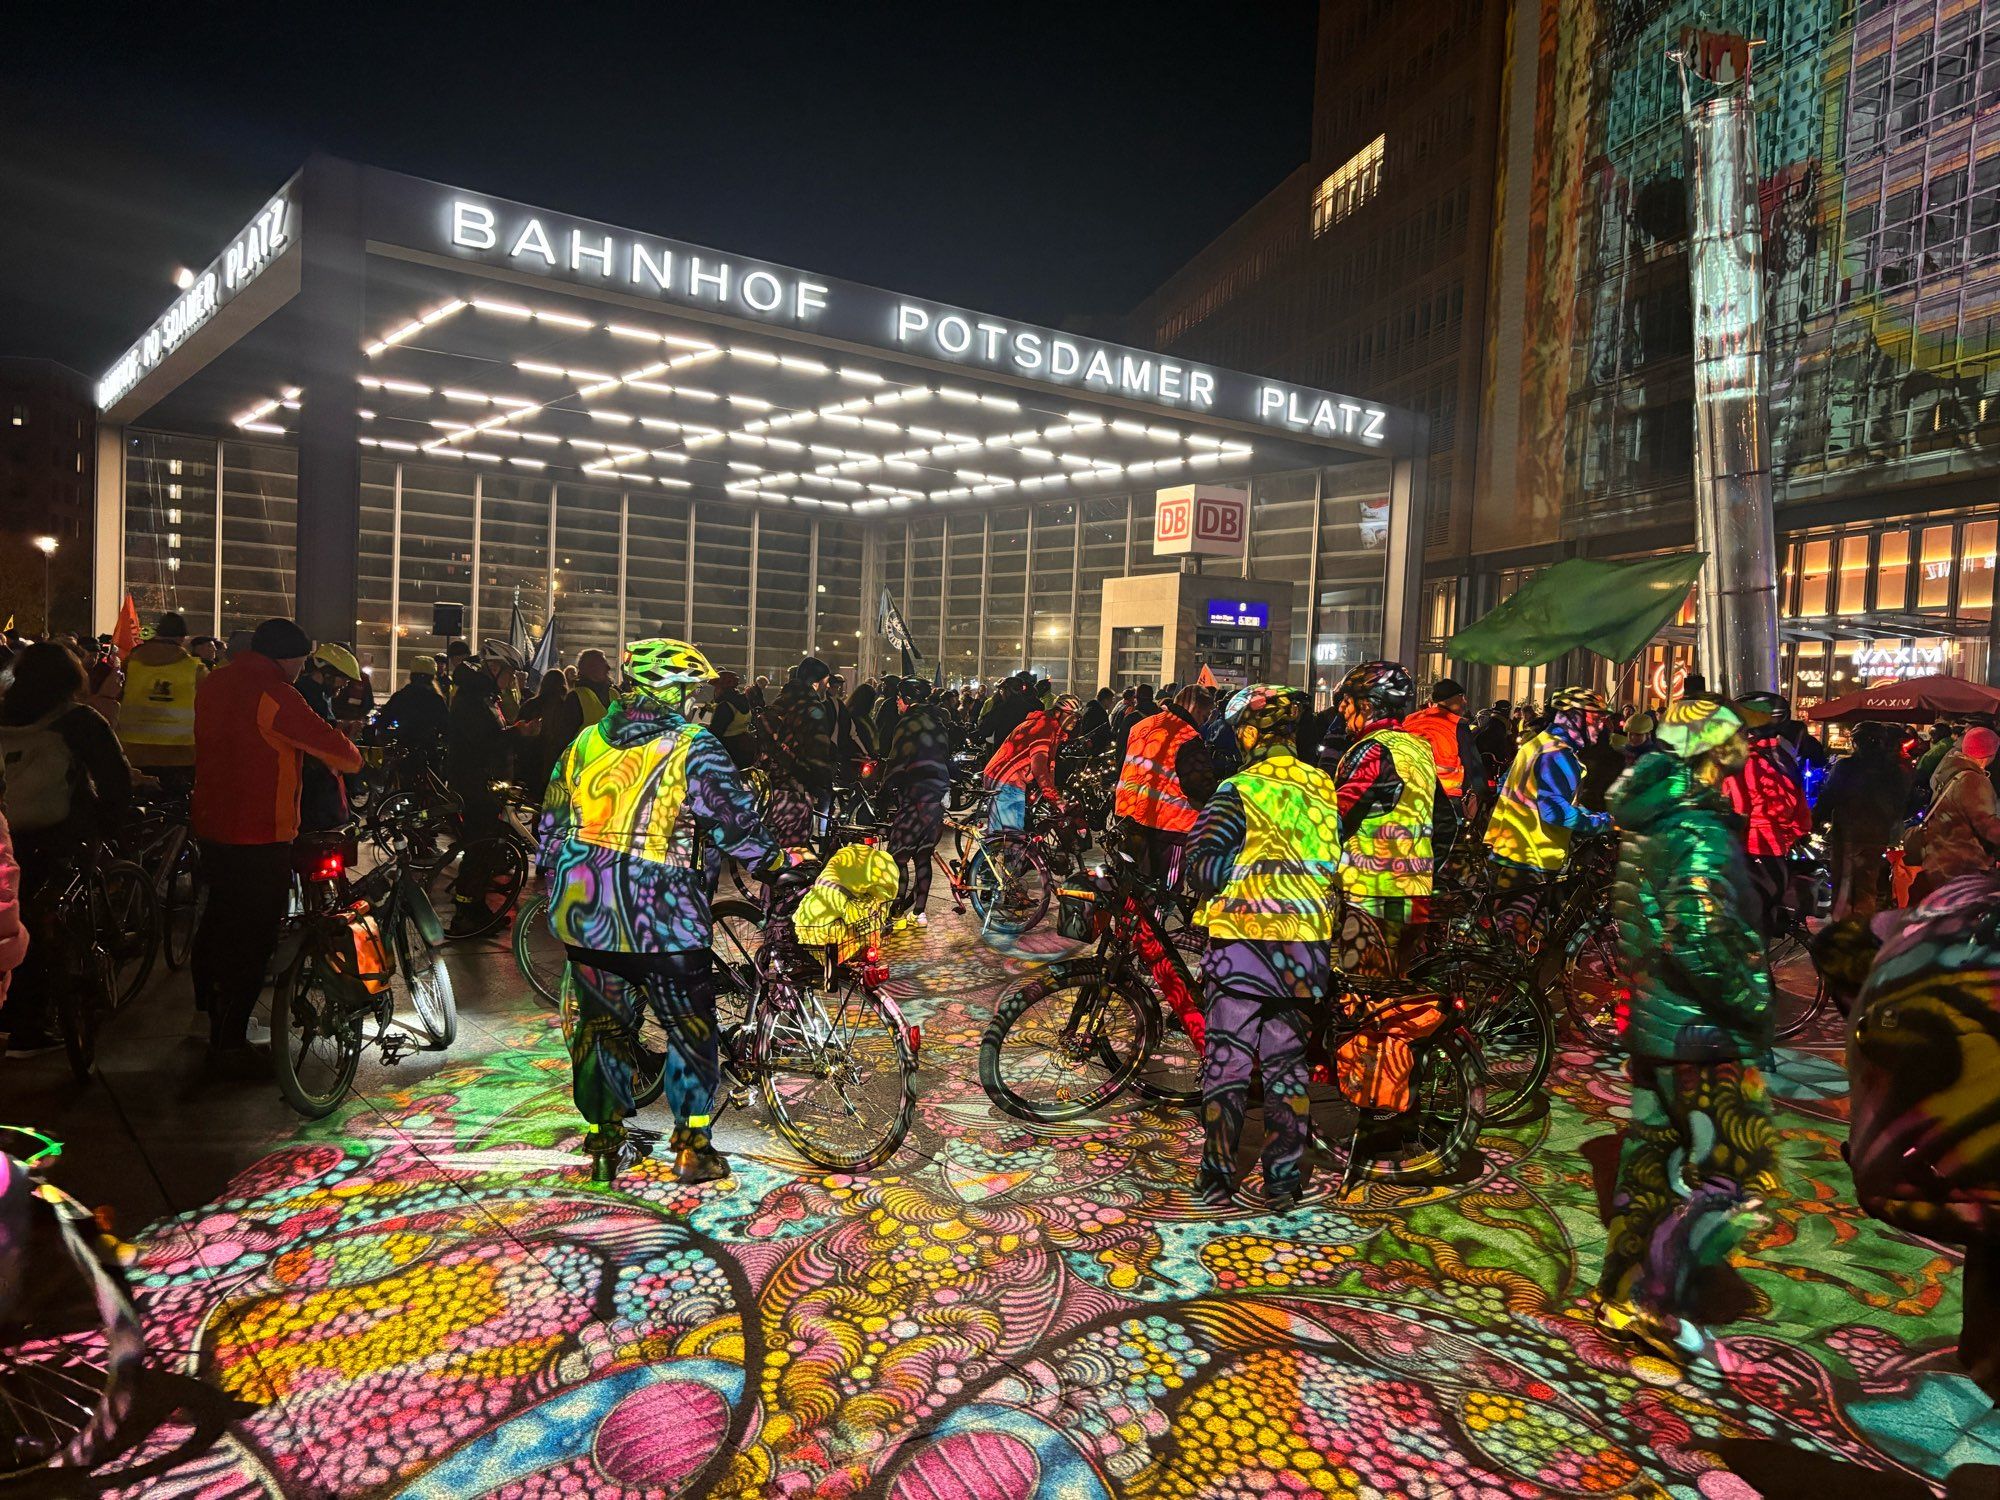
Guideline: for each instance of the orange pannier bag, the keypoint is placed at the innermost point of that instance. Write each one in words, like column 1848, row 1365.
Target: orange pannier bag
column 1374, row 1064
column 363, row 959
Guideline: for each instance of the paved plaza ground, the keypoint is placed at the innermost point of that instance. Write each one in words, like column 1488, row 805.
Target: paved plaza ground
column 422, row 1296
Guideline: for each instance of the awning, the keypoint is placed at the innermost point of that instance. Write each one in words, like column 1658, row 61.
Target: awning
column 1913, row 700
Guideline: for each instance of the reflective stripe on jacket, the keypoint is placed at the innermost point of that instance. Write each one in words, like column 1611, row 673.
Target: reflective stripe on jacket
column 156, row 710
column 1280, row 888
column 1391, row 853
column 1149, row 782
column 1438, row 727
column 628, row 798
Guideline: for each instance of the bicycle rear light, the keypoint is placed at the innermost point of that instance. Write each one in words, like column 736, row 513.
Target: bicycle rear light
column 916, row 1039
column 329, row 865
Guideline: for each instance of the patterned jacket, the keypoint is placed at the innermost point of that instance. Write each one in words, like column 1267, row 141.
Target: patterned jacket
column 638, row 815
column 1682, row 899
column 798, row 738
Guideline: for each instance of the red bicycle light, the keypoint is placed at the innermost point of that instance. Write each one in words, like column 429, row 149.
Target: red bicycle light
column 872, row 954
column 916, row 1039
column 868, row 768
column 329, row 866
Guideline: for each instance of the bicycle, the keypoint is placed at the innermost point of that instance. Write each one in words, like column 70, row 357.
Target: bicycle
column 1808, row 895
column 73, row 912
column 425, row 832
column 160, row 842
column 71, row 1350
column 364, row 950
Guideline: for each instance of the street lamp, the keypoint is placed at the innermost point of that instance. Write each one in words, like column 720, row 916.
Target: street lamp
column 46, row 545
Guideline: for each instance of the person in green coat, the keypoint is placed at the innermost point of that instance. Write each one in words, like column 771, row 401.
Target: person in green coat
column 1700, row 1156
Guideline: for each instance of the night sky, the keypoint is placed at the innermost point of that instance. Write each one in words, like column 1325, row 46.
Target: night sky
column 1041, row 161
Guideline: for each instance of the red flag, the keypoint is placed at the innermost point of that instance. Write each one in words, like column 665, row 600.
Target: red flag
column 1207, row 678
column 1715, row 56
column 125, row 635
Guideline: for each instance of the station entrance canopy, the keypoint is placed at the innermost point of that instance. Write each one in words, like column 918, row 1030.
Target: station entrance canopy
column 365, row 313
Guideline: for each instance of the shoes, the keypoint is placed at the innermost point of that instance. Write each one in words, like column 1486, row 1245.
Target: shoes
column 918, row 919
column 1214, row 1193
column 694, row 1164
column 611, row 1151
column 1282, row 1202
column 257, row 1034
column 1672, row 1338
column 31, row 1044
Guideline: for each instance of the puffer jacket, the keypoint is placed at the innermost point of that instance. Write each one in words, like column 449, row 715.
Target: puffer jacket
column 1961, row 832
column 1683, row 902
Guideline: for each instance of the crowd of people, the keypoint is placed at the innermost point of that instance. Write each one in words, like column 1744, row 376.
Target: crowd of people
column 1314, row 839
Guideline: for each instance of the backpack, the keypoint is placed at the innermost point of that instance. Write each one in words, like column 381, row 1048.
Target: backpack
column 39, row 773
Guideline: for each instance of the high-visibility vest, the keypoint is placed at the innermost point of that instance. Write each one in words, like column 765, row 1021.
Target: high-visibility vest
column 1149, row 786
column 1516, row 831
column 1438, row 727
column 1280, row 889
column 1390, row 854
column 157, row 706
column 589, row 704
column 628, row 798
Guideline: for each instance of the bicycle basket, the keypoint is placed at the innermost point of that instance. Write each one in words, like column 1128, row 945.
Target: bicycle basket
column 357, row 957
column 849, row 900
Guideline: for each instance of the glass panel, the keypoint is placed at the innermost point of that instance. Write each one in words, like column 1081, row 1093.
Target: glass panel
column 170, row 527
column 722, row 587
column 437, row 554
column 1892, row 571
column 1815, row 573
column 513, row 555
column 963, row 570
column 784, row 545
column 656, row 537
column 923, row 610
column 1053, row 617
column 1135, row 656
column 1934, row 576
column 1281, row 542
column 1975, row 581
column 1103, row 557
column 838, row 607
column 1854, row 575
column 586, row 572
column 1353, row 566
column 371, row 580
column 1006, row 592
column 260, row 508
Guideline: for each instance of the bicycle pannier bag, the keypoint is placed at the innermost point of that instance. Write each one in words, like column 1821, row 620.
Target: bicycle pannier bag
column 40, row 774
column 1375, row 1063
column 360, row 961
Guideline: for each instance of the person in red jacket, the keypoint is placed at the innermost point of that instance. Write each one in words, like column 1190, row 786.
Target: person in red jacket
column 1166, row 779
column 1027, row 758
column 252, row 732
column 1769, row 794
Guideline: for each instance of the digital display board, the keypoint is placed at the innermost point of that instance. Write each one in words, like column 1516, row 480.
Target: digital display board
column 1239, row 614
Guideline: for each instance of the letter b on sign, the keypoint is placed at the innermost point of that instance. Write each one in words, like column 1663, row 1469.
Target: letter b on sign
column 1209, row 519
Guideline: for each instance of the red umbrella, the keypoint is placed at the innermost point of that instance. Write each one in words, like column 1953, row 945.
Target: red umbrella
column 1914, row 700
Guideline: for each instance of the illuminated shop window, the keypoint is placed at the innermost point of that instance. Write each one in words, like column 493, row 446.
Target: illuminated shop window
column 1975, row 579
column 1814, row 571
column 1892, row 571
column 1854, row 574
column 1348, row 186
column 1934, row 576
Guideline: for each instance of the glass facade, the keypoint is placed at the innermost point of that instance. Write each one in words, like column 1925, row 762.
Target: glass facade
column 986, row 592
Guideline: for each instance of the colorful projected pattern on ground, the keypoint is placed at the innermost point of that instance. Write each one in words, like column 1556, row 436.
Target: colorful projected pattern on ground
column 423, row 1298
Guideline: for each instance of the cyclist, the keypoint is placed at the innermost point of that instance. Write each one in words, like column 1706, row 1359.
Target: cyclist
column 475, row 764
column 1537, row 813
column 638, row 814
column 1700, row 1154
column 1769, row 794
column 1266, row 851
column 1461, row 770
column 916, row 790
column 799, row 754
column 1164, row 780
column 1027, row 758
column 324, row 682
column 66, row 782
column 416, row 717
column 733, row 722
column 156, row 705
column 1388, row 790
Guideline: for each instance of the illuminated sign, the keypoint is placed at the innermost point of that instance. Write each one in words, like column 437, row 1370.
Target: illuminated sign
column 1210, row 520
column 255, row 247
column 1900, row 661
column 1247, row 614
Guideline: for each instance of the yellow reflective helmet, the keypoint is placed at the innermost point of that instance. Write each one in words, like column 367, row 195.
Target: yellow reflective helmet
column 656, row 665
column 340, row 659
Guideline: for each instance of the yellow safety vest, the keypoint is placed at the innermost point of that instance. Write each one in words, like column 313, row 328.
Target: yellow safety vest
column 1390, row 855
column 1516, row 832
column 628, row 798
column 1280, row 889
column 1149, row 786
column 589, row 704
column 157, row 707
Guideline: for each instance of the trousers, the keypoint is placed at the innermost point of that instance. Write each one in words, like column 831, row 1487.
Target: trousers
column 1246, row 1032
column 1700, row 1156
column 249, row 886
column 606, row 997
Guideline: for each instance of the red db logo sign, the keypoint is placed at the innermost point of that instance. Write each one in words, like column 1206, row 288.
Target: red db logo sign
column 1209, row 519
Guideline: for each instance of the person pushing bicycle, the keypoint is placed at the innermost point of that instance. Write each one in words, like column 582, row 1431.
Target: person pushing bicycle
column 639, row 812
column 1537, row 812
column 1388, row 791
column 1266, row 851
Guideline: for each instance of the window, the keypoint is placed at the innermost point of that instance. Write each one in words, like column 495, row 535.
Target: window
column 1814, row 572
column 20, row 414
column 1892, row 571
column 1934, row 582
column 1853, row 575
column 1348, row 186
column 1975, row 578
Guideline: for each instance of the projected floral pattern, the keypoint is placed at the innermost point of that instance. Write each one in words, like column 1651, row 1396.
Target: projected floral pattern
column 424, row 1298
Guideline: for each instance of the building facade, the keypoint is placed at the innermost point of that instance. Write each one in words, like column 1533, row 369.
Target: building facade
column 48, row 422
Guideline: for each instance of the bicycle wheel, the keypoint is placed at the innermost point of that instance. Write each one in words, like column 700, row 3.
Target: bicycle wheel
column 417, row 828
column 839, row 1078
column 426, row 979
column 1433, row 1138
column 1594, row 990
column 1510, row 1019
column 89, row 989
column 1066, row 1042
column 315, row 1037
column 134, row 933
column 736, row 932
column 537, row 954
column 69, row 1355
column 1008, row 884
column 1797, row 993
column 506, row 866
column 183, row 895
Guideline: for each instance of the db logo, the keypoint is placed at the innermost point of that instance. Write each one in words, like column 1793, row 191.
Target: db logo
column 1174, row 521
column 1218, row 522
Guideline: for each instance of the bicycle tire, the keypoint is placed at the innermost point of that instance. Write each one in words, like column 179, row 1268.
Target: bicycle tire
column 1089, row 1069
column 305, row 1014
column 416, row 828
column 539, row 957
column 735, row 935
column 1003, row 901
column 1511, row 1020
column 135, row 925
column 90, row 990
column 1792, row 1011
column 183, row 895
column 426, row 979
column 886, row 1039
column 506, row 875
column 1451, row 1062
column 70, row 1364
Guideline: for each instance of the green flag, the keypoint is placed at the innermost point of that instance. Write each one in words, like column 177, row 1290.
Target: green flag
column 1611, row 608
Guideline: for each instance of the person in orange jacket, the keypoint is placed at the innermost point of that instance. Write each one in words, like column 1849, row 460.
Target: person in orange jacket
column 1166, row 777
column 1461, row 769
column 1027, row 758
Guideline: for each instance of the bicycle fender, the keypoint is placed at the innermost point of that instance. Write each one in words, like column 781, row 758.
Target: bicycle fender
column 908, row 1032
column 416, row 900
